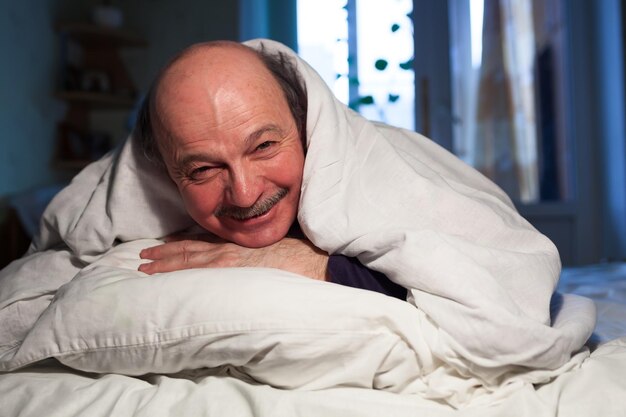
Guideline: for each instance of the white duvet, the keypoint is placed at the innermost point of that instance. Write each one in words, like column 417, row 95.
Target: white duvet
column 479, row 323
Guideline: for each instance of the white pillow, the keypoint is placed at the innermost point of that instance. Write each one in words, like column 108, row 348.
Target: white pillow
column 275, row 327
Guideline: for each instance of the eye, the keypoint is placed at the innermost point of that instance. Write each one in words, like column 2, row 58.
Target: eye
column 265, row 145
column 200, row 172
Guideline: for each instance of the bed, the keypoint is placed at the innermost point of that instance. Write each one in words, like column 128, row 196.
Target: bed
column 484, row 329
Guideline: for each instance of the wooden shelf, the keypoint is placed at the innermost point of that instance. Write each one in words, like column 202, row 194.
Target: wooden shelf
column 92, row 35
column 97, row 100
column 93, row 78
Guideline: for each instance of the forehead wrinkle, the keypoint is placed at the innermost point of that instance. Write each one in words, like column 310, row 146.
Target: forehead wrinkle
column 220, row 109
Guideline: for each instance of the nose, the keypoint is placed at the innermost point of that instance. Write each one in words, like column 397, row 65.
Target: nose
column 245, row 186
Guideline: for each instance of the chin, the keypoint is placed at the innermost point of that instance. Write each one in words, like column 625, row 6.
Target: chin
column 257, row 241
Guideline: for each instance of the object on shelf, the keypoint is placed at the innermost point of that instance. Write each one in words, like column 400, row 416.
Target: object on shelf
column 106, row 15
column 93, row 77
column 89, row 59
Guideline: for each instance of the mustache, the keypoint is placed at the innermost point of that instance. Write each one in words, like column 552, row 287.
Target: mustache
column 259, row 208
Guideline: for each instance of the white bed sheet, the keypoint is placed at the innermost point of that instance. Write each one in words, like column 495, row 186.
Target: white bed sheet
column 598, row 388
column 605, row 284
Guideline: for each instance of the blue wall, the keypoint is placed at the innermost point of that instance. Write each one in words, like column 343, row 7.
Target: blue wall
column 610, row 58
column 28, row 111
column 272, row 19
column 170, row 26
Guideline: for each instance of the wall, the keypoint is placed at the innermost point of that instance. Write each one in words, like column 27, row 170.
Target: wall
column 272, row 19
column 170, row 26
column 597, row 101
column 28, row 111
column 167, row 25
column 610, row 76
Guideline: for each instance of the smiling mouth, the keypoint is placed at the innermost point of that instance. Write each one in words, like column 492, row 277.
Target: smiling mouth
column 255, row 216
column 257, row 210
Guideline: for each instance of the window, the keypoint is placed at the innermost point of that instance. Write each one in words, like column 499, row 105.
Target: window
column 363, row 49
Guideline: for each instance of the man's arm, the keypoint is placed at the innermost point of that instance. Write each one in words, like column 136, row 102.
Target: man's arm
column 290, row 254
column 293, row 255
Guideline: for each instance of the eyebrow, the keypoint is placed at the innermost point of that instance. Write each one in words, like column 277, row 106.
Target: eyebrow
column 248, row 141
column 254, row 136
column 189, row 159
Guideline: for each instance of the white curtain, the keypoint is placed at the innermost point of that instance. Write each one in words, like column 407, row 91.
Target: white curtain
column 495, row 99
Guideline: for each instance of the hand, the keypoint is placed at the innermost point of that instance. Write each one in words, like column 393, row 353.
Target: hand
column 205, row 251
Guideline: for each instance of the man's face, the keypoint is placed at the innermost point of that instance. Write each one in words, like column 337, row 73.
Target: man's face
column 231, row 145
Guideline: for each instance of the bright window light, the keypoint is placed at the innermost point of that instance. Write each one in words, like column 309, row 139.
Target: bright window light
column 379, row 62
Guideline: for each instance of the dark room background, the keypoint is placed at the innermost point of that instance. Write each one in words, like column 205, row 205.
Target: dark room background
column 589, row 226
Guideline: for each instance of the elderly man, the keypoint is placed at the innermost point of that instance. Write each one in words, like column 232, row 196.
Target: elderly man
column 228, row 123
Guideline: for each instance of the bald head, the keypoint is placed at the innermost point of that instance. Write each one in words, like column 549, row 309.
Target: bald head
column 212, row 64
column 206, row 52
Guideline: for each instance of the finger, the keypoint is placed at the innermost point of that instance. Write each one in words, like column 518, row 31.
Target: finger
column 175, row 248
column 155, row 267
column 186, row 260
column 147, row 268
